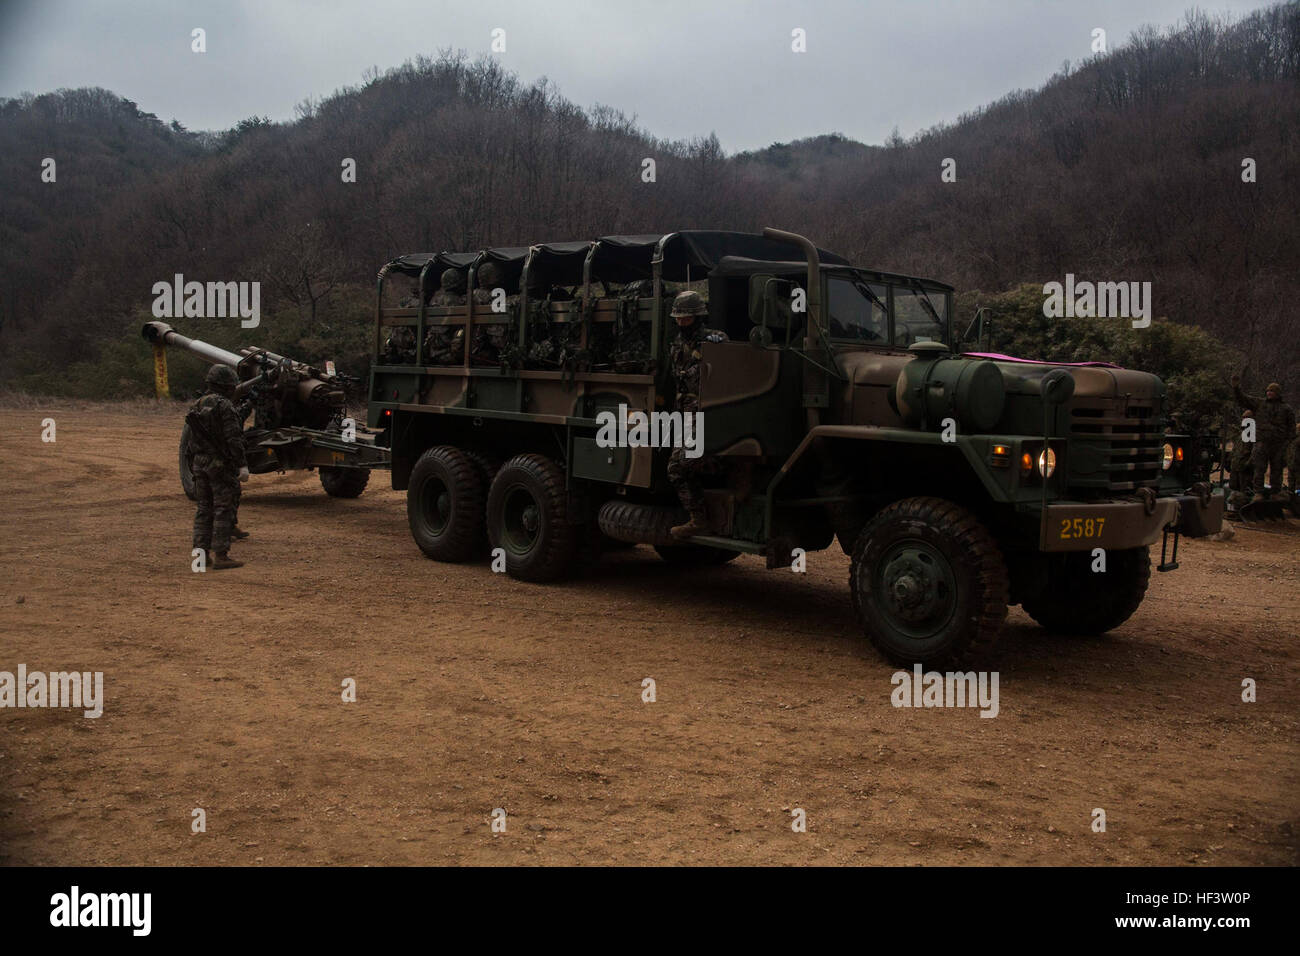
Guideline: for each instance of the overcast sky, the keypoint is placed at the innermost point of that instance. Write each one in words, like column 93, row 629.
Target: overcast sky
column 684, row 68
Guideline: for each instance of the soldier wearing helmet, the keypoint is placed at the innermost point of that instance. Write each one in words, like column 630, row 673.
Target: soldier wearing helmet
column 1274, row 425
column 216, row 448
column 451, row 289
column 440, row 343
column 492, row 325
column 684, row 473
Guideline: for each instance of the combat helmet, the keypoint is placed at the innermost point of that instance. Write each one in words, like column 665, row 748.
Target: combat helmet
column 488, row 276
column 689, row 303
column 453, row 280
column 223, row 376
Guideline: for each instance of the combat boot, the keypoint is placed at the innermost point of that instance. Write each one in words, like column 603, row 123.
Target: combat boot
column 238, row 533
column 218, row 561
column 699, row 524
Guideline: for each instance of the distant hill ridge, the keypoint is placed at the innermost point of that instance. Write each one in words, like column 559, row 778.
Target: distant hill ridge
column 1124, row 167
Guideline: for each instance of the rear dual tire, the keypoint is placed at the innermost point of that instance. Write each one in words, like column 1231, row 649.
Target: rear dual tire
column 528, row 519
column 444, row 504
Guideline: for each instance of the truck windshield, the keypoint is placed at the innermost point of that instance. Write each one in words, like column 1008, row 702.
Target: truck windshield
column 919, row 317
column 856, row 311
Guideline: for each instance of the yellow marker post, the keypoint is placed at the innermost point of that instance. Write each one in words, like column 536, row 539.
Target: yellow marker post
column 161, row 388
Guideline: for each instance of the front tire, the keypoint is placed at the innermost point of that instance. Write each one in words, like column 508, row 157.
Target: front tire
column 929, row 583
column 528, row 518
column 444, row 504
column 1078, row 602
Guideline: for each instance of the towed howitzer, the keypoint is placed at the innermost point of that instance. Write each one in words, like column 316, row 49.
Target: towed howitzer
column 299, row 416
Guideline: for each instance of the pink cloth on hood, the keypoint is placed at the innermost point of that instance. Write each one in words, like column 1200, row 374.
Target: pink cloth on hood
column 1011, row 358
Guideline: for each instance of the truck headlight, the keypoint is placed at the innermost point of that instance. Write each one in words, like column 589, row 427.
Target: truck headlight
column 1168, row 456
column 1046, row 462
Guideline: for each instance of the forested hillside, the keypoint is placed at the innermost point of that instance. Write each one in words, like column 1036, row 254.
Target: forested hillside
column 1126, row 167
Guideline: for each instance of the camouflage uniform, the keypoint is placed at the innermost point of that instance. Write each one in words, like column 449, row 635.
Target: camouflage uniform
column 216, row 449
column 684, row 473
column 492, row 329
column 443, row 344
column 399, row 349
column 1274, row 428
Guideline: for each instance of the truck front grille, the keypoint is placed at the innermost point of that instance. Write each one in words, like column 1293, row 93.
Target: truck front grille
column 1116, row 445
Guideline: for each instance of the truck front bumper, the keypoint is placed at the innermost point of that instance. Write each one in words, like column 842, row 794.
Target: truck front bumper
column 1116, row 525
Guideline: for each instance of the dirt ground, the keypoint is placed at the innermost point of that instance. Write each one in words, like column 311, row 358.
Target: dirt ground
column 476, row 692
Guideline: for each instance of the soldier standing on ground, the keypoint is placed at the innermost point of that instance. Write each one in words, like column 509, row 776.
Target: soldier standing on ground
column 1239, row 481
column 216, row 449
column 685, row 473
column 1274, row 425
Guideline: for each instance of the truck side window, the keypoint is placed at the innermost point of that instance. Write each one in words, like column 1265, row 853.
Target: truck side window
column 852, row 313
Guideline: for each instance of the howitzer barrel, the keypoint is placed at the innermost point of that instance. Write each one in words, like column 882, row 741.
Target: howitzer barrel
column 257, row 367
column 160, row 333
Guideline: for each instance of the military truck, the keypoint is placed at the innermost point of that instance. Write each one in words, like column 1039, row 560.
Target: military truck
column 958, row 483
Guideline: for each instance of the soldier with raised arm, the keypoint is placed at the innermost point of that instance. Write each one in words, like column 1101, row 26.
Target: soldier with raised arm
column 1274, row 426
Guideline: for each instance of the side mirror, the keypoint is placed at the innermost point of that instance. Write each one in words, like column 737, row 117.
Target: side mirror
column 769, row 307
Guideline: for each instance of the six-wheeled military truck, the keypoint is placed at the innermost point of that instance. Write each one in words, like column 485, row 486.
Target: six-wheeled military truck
column 839, row 409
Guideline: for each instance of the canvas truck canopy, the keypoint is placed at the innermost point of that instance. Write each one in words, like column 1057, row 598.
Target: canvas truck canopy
column 690, row 254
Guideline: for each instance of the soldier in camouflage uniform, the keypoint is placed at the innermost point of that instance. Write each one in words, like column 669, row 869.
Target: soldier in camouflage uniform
column 451, row 288
column 490, row 340
column 442, row 345
column 684, row 473
column 1274, row 425
column 216, row 450
column 399, row 349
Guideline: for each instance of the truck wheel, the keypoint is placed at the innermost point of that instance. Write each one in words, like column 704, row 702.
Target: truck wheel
column 444, row 504
column 528, row 517
column 695, row 555
column 343, row 482
column 1079, row 602
column 928, row 582
column 187, row 472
